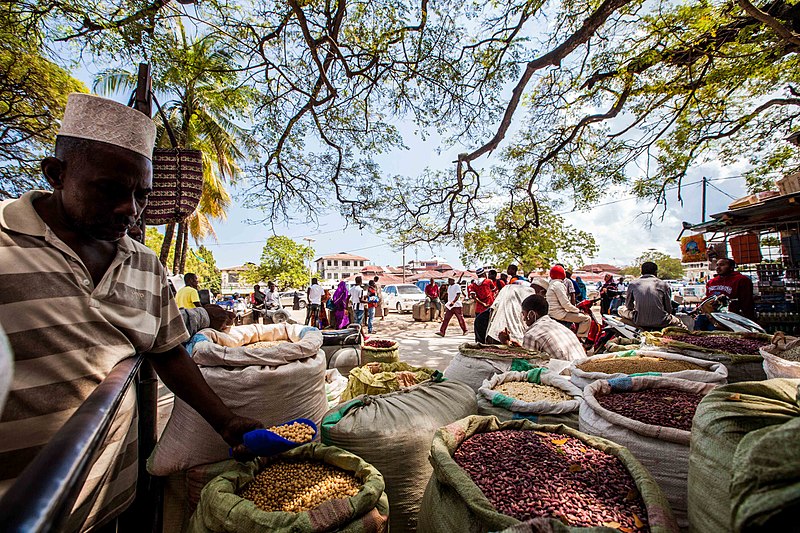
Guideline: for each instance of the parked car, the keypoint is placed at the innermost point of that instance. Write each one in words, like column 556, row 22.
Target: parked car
column 402, row 297
column 287, row 298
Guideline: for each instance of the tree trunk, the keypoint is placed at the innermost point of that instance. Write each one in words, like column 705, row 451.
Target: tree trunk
column 167, row 244
column 176, row 260
column 185, row 247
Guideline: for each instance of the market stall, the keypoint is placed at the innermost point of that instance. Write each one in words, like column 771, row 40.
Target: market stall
column 763, row 237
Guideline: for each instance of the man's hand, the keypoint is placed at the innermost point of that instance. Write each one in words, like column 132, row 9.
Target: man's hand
column 233, row 431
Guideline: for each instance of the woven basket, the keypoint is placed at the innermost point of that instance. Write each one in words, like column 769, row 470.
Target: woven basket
column 177, row 185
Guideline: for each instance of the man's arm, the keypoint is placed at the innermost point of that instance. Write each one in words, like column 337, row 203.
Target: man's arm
column 179, row 373
column 196, row 298
column 745, row 297
column 629, row 298
column 563, row 299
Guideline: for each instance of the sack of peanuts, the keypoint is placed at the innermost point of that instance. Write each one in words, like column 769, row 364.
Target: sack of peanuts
column 739, row 352
column 273, row 385
column 782, row 357
column 313, row 488
column 490, row 475
column 586, row 371
column 475, row 363
column 652, row 417
column 744, row 460
column 380, row 378
column 538, row 395
column 393, row 432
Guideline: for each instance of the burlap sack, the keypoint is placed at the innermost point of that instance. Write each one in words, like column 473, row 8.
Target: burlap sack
column 222, row 510
column 453, row 502
column 273, row 385
column 714, row 373
column 782, row 357
column 664, row 451
column 472, row 366
column 744, row 459
column 393, row 432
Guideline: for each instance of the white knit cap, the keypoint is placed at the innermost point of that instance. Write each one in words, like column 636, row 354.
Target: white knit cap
column 99, row 119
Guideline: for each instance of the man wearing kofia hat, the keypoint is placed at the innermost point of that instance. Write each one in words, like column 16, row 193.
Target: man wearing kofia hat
column 77, row 296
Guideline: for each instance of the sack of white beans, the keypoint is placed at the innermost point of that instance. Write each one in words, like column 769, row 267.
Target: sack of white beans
column 490, row 475
column 538, row 395
column 652, row 417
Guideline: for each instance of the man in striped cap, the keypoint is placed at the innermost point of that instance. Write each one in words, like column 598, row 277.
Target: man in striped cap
column 77, row 296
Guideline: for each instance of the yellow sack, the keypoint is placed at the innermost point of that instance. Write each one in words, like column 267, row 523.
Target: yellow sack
column 380, row 378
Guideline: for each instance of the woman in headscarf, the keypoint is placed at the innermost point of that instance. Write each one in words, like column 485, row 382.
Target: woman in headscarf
column 340, row 298
column 607, row 293
column 324, row 320
column 581, row 286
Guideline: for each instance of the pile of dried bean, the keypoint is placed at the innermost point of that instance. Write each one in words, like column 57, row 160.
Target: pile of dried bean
column 264, row 344
column 295, row 432
column 531, row 392
column 722, row 343
column 637, row 365
column 380, row 344
column 659, row 407
column 560, row 477
column 294, row 487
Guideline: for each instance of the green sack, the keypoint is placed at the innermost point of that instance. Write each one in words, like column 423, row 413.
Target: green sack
column 362, row 380
column 221, row 510
column 744, row 461
column 453, row 502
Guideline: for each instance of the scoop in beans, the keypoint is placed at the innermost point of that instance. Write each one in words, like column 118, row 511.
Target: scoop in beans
column 379, row 344
column 531, row 392
column 636, row 365
column 295, row 432
column 722, row 343
column 561, row 477
column 659, row 407
column 297, row 486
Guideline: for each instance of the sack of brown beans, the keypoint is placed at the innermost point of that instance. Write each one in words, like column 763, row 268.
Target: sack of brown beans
column 490, row 475
column 272, row 385
column 313, row 488
column 744, row 462
column 393, row 432
column 739, row 352
column 584, row 372
column 475, row 363
column 782, row 357
column 537, row 395
column 652, row 417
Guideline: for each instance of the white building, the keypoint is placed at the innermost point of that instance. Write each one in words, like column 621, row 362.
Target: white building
column 233, row 280
column 336, row 267
column 697, row 272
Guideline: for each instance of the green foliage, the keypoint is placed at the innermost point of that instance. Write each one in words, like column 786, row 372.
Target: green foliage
column 668, row 267
column 282, row 261
column 33, row 93
column 208, row 275
column 770, row 240
column 510, row 240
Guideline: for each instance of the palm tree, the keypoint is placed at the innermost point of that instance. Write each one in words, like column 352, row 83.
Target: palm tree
column 206, row 99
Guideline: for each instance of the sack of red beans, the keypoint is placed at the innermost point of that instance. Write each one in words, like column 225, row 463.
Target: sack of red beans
column 490, row 475
column 652, row 417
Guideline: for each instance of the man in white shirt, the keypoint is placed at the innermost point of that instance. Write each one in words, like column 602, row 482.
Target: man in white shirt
column 272, row 299
column 453, row 307
column 314, row 293
column 357, row 300
column 559, row 303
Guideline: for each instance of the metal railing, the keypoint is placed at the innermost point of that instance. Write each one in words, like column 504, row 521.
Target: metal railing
column 42, row 497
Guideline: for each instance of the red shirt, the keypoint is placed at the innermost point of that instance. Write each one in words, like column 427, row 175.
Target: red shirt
column 499, row 283
column 735, row 286
column 484, row 292
column 432, row 291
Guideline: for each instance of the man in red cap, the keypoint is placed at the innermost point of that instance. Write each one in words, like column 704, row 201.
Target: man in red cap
column 560, row 306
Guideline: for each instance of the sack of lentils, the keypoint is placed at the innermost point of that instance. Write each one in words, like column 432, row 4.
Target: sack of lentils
column 739, row 352
column 744, row 462
column 393, row 432
column 490, row 475
column 312, row 488
column 537, row 395
column 585, row 371
column 782, row 357
column 652, row 417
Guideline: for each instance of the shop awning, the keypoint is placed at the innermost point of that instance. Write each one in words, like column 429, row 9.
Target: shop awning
column 772, row 212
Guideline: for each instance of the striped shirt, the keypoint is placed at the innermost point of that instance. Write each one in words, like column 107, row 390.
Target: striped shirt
column 67, row 334
column 548, row 336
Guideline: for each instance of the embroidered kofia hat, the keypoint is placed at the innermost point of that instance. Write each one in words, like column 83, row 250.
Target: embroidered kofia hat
column 99, row 119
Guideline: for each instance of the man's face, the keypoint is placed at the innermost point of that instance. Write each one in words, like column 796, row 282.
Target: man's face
column 723, row 267
column 271, row 287
column 528, row 317
column 451, row 281
column 105, row 191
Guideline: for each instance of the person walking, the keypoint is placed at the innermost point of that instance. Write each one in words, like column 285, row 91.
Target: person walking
column 453, row 307
column 380, row 309
column 340, row 298
column 314, row 294
column 187, row 296
column 372, row 303
column 357, row 299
